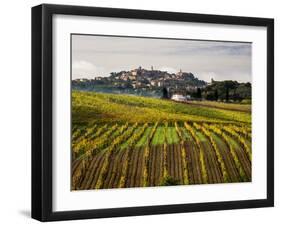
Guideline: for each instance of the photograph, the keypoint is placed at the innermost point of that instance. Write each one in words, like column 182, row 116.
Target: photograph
column 149, row 111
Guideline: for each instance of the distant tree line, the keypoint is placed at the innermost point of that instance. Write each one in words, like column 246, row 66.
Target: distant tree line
column 225, row 91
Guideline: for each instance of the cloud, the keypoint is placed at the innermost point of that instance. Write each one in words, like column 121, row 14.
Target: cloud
column 85, row 69
column 168, row 69
column 99, row 55
column 224, row 75
column 207, row 76
column 84, row 65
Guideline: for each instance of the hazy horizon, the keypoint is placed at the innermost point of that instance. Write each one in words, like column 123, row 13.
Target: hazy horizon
column 94, row 56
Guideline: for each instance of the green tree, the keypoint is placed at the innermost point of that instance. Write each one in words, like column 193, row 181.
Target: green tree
column 165, row 93
column 216, row 95
column 199, row 93
column 227, row 94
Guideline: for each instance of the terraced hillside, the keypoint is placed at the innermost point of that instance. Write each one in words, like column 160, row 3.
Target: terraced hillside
column 126, row 141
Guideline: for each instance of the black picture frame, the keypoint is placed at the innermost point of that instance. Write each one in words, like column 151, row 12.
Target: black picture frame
column 42, row 111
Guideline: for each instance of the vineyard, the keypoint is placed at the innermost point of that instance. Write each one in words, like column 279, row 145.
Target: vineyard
column 123, row 141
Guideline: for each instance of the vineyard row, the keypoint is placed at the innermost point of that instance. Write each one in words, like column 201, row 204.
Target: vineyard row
column 116, row 156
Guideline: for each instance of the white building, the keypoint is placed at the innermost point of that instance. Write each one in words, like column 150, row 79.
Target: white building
column 178, row 97
column 153, row 83
column 160, row 83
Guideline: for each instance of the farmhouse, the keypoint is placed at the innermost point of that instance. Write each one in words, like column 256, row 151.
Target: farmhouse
column 178, row 97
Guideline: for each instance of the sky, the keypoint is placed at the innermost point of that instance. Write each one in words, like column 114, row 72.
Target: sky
column 94, row 56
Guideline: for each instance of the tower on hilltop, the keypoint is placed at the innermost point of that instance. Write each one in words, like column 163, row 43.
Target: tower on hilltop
column 180, row 73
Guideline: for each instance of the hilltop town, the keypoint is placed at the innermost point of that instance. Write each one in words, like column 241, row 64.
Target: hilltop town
column 162, row 84
column 143, row 80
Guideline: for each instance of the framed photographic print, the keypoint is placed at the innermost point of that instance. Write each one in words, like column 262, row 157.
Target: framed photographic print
column 145, row 112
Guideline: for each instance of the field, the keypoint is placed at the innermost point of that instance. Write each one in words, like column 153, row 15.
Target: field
column 127, row 141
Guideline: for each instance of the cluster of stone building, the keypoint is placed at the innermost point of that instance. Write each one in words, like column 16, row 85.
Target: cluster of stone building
column 143, row 78
column 147, row 82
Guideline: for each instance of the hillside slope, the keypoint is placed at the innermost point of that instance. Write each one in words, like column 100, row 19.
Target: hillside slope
column 91, row 107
